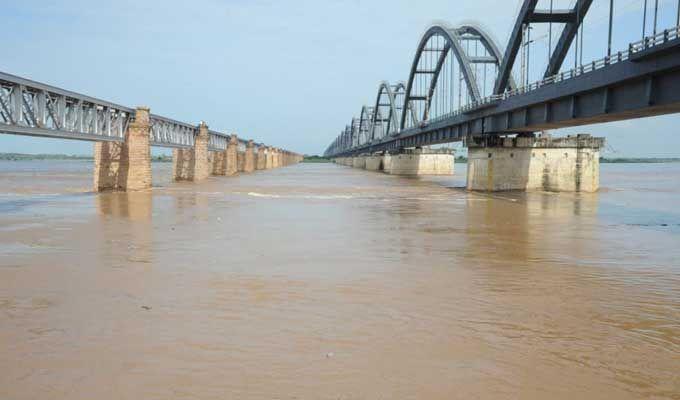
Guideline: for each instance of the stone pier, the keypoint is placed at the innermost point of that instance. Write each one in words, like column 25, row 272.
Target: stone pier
column 269, row 158
column 219, row 162
column 240, row 161
column 125, row 165
column 231, row 155
column 193, row 164
column 569, row 164
column 249, row 162
column 261, row 158
column 420, row 162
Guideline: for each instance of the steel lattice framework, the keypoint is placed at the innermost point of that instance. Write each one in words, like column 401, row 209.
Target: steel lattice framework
column 35, row 109
column 622, row 85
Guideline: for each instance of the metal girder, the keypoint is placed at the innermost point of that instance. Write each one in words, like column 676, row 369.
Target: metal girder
column 31, row 108
column 627, row 89
column 556, row 16
column 568, row 33
column 166, row 132
column 513, row 46
column 35, row 109
column 452, row 40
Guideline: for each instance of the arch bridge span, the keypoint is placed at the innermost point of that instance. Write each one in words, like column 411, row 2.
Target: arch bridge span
column 461, row 83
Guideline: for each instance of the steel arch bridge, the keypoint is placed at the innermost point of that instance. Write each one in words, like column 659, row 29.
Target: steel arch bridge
column 461, row 84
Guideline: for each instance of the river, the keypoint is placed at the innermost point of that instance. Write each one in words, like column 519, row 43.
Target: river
column 318, row 281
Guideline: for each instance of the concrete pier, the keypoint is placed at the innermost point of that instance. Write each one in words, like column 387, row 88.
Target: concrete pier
column 359, row 162
column 374, row 163
column 421, row 162
column 193, row 164
column 125, row 166
column 569, row 164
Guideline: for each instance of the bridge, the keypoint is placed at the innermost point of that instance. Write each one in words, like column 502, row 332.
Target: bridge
column 123, row 136
column 461, row 87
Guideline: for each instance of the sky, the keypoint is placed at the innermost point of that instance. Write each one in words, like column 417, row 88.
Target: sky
column 289, row 73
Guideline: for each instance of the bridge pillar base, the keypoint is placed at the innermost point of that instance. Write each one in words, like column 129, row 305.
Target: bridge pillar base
column 269, row 158
column 193, row 164
column 359, row 162
column 219, row 162
column 240, row 161
column 125, row 166
column 374, row 163
column 420, row 162
column 249, row 163
column 569, row 164
column 261, row 159
column 231, row 156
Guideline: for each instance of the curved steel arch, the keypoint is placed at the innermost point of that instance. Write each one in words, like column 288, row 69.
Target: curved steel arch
column 392, row 119
column 527, row 15
column 489, row 44
column 365, row 119
column 452, row 43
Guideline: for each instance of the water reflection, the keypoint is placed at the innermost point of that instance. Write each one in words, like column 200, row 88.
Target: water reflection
column 126, row 227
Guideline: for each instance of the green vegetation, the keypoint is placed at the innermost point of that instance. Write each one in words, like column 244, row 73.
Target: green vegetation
column 605, row 160
column 23, row 157
column 315, row 159
column 33, row 157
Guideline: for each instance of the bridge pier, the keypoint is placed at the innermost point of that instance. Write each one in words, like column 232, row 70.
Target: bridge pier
column 240, row 161
column 231, row 155
column 249, row 163
column 569, row 164
column 420, row 162
column 359, row 162
column 261, row 158
column 374, row 162
column 125, row 166
column 193, row 164
column 269, row 157
column 219, row 162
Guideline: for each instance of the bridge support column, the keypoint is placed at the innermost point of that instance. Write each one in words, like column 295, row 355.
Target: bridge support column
column 193, row 164
column 421, row 162
column 231, row 156
column 240, row 161
column 269, row 158
column 261, row 158
column 218, row 159
column 359, row 162
column 374, row 163
column 570, row 164
column 125, row 166
column 249, row 165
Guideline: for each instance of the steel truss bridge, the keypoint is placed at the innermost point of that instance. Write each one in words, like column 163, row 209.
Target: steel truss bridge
column 639, row 81
column 35, row 109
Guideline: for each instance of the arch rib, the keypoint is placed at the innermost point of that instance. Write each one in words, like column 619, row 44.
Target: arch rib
column 453, row 40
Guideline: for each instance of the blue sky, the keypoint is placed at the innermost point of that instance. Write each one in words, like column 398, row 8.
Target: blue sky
column 288, row 73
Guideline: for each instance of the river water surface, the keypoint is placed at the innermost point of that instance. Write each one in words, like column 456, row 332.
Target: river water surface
column 325, row 282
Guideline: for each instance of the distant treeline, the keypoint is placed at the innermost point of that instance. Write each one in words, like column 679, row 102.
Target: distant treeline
column 307, row 159
column 27, row 157
column 315, row 159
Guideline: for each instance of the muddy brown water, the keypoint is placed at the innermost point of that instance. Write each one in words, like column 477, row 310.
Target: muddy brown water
column 322, row 282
